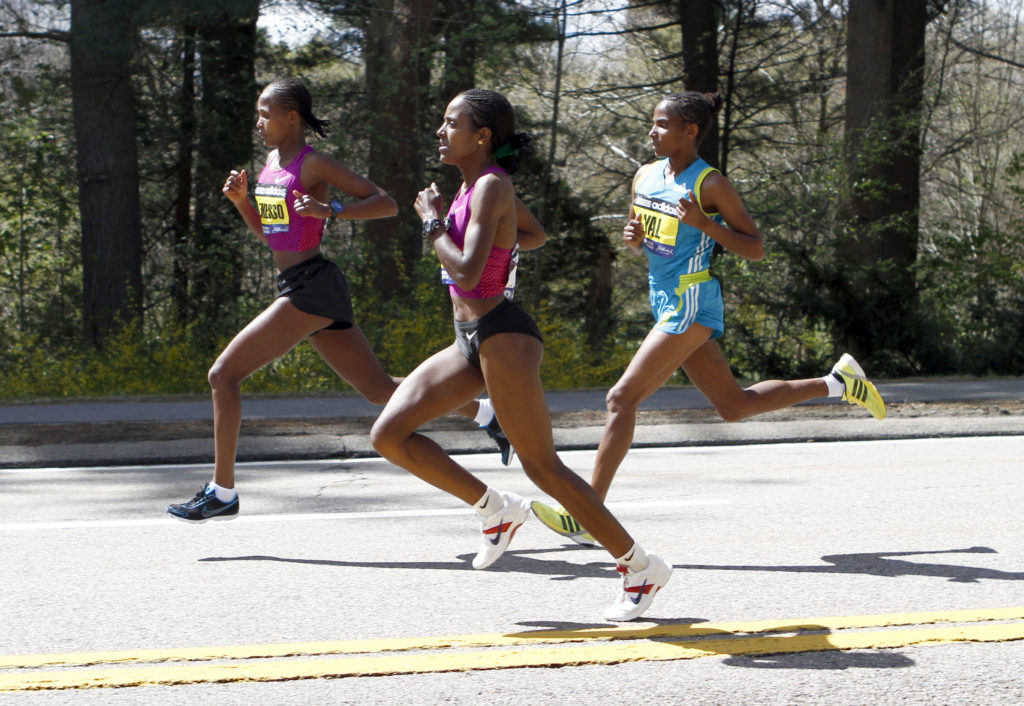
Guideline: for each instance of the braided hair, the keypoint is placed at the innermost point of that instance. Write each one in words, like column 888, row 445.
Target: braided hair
column 292, row 94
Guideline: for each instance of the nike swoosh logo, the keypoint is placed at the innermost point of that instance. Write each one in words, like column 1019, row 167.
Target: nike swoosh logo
column 641, row 591
column 497, row 532
column 282, row 179
column 207, row 513
column 471, row 336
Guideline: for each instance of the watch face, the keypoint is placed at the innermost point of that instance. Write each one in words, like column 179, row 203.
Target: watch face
column 337, row 206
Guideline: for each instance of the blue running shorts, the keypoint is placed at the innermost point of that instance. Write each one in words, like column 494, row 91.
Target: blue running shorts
column 678, row 304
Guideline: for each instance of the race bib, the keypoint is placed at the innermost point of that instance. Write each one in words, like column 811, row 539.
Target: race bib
column 661, row 224
column 270, row 198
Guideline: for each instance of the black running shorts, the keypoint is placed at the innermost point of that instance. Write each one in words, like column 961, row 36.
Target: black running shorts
column 507, row 317
column 317, row 286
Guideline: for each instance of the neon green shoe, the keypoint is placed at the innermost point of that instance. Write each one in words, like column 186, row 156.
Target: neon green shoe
column 859, row 390
column 560, row 521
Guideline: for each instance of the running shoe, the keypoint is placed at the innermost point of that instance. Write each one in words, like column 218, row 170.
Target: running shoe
column 495, row 431
column 859, row 390
column 638, row 588
column 498, row 529
column 560, row 521
column 204, row 506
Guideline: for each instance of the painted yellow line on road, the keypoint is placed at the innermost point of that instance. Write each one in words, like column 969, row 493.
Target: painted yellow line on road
column 548, row 649
column 546, row 656
column 401, row 644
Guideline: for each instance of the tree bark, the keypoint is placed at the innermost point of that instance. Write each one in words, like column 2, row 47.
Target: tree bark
column 226, row 120
column 698, row 20
column 103, row 36
column 396, row 48
column 884, row 93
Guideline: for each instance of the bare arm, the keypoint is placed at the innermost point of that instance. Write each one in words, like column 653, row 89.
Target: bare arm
column 236, row 188
column 633, row 233
column 492, row 210
column 529, row 232
column 740, row 235
column 319, row 172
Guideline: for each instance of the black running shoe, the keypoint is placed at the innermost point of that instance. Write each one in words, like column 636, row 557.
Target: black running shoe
column 504, row 445
column 204, row 506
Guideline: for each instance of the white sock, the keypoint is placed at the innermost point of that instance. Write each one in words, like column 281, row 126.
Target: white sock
column 635, row 559
column 490, row 503
column 225, row 495
column 485, row 413
column 836, row 387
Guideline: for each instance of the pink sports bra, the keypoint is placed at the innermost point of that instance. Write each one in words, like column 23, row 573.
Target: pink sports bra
column 495, row 275
column 283, row 228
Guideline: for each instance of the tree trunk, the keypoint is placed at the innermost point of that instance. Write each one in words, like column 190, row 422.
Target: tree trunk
column 397, row 48
column 885, row 66
column 460, row 57
column 183, row 199
column 227, row 50
column 885, row 60
column 102, row 42
column 699, row 22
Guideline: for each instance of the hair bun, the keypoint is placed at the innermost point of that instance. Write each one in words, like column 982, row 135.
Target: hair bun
column 716, row 101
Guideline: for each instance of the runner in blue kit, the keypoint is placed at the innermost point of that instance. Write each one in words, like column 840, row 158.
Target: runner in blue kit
column 681, row 207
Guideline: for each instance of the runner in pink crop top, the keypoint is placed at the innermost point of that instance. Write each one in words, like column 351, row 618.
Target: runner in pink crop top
column 283, row 228
column 495, row 275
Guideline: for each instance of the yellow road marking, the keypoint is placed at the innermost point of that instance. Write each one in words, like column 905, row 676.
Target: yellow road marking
column 545, row 648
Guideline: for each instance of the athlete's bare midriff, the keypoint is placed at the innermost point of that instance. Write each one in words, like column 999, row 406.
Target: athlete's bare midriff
column 472, row 309
column 284, row 259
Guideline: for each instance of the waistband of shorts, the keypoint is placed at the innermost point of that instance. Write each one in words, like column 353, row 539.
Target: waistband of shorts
column 470, row 326
column 301, row 267
column 687, row 280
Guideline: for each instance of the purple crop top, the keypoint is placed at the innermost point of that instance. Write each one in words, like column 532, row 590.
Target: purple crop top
column 495, row 275
column 283, row 228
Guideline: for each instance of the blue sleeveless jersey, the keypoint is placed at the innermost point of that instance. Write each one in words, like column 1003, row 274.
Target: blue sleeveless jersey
column 673, row 248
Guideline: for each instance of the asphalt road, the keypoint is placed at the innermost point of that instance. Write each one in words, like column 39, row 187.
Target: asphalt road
column 907, row 550
column 92, row 433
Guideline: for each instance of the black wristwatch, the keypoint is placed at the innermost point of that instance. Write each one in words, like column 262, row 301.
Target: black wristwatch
column 432, row 224
column 336, row 207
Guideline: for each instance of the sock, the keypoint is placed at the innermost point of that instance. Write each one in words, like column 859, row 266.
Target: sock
column 225, row 495
column 836, row 387
column 635, row 559
column 485, row 413
column 490, row 503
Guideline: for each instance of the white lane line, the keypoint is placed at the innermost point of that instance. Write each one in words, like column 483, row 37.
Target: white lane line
column 323, row 516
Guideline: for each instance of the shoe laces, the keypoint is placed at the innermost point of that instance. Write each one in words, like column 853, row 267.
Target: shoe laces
column 199, row 496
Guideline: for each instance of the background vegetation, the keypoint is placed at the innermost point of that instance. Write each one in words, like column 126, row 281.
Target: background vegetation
column 880, row 150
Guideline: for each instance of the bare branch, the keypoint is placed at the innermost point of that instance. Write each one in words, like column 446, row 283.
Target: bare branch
column 53, row 36
column 979, row 52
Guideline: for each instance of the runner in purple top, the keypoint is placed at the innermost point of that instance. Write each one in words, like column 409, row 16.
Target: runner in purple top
column 497, row 344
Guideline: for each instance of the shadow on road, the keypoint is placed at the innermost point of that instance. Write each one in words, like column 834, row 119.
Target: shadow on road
column 883, row 564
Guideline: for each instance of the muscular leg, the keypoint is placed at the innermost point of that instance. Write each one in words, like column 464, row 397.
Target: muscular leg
column 440, row 384
column 511, row 367
column 350, row 356
column 708, row 370
column 658, row 357
column 266, row 338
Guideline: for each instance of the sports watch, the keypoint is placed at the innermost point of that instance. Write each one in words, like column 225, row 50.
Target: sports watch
column 432, row 224
column 336, row 207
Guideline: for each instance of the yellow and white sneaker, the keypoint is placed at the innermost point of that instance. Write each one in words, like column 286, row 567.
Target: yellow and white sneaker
column 859, row 390
column 560, row 521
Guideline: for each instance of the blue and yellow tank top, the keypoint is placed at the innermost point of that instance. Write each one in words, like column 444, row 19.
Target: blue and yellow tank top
column 673, row 248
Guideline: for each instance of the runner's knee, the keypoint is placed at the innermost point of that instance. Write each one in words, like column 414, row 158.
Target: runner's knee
column 220, row 379
column 620, row 399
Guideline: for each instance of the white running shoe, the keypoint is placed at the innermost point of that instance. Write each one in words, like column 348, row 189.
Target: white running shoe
column 499, row 528
column 638, row 589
